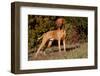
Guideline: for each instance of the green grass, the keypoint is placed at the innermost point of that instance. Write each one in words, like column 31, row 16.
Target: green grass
column 80, row 52
column 72, row 52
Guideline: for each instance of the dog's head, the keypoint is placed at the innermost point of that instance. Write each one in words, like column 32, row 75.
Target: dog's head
column 59, row 22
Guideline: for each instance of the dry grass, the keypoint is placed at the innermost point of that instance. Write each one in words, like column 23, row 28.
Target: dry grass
column 72, row 52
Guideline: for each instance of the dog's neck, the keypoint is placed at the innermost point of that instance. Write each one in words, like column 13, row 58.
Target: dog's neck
column 58, row 28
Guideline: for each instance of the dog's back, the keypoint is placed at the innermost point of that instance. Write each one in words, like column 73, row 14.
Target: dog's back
column 56, row 34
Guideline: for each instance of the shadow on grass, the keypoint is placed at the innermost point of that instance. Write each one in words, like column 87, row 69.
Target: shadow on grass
column 55, row 49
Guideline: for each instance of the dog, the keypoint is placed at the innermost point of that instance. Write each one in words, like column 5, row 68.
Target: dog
column 50, row 36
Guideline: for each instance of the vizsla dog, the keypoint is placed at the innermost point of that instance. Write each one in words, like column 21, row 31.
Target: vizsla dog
column 58, row 34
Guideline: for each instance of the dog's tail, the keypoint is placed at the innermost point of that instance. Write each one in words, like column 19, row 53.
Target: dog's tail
column 40, row 37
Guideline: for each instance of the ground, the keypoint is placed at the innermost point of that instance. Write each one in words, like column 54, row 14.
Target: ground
column 72, row 52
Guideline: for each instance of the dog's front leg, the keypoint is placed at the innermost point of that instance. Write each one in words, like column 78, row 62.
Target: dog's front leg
column 59, row 45
column 64, row 45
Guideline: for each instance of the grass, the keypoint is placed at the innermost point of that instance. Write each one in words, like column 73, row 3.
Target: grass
column 80, row 52
column 72, row 52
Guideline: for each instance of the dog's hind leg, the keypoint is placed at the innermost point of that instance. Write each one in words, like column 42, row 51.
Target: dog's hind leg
column 50, row 43
column 41, row 45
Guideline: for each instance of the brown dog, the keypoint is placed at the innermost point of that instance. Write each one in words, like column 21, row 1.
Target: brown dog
column 58, row 34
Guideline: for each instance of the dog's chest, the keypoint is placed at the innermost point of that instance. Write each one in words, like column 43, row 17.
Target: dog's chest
column 57, row 35
column 51, row 39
